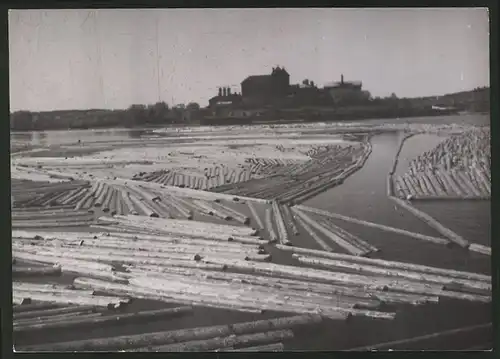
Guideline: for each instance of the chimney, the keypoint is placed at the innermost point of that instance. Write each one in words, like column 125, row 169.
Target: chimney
column 228, row 91
column 224, row 93
column 220, row 91
column 342, row 79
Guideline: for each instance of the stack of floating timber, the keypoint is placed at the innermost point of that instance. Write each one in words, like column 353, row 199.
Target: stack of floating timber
column 301, row 181
column 333, row 233
column 457, row 168
column 218, row 176
column 39, row 194
column 63, row 307
column 180, row 266
column 60, row 216
column 449, row 235
column 239, row 336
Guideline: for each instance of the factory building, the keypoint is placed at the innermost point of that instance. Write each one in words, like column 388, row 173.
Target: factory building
column 262, row 92
column 346, row 92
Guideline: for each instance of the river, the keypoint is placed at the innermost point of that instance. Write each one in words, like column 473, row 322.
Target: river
column 363, row 195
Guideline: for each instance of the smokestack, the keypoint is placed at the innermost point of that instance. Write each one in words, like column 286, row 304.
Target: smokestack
column 224, row 91
column 342, row 79
column 220, row 91
column 228, row 91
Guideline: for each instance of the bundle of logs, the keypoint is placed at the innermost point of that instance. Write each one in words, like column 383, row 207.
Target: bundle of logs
column 259, row 335
column 299, row 182
column 458, row 168
column 194, row 263
column 216, row 176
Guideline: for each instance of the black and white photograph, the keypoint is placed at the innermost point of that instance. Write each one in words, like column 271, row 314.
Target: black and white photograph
column 250, row 180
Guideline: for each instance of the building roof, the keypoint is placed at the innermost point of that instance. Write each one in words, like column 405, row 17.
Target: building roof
column 258, row 79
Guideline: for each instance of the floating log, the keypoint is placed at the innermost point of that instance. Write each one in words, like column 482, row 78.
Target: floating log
column 283, row 234
column 405, row 342
column 452, row 236
column 352, row 280
column 35, row 271
column 274, row 347
column 102, row 195
column 255, row 215
column 27, row 324
column 373, row 270
column 290, row 220
column 177, row 336
column 374, row 225
column 212, row 211
column 25, row 308
column 332, row 236
column 98, row 301
column 109, row 319
column 478, row 248
column 313, row 235
column 269, row 226
column 389, row 264
column 211, row 344
column 348, row 237
column 127, row 202
column 53, row 312
column 235, row 214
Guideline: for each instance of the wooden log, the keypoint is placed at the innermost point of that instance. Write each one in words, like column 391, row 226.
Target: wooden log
column 255, row 216
column 468, row 184
column 478, row 248
column 332, row 236
column 140, row 206
column 109, row 319
column 110, row 199
column 26, row 308
column 81, row 267
column 98, row 301
column 212, row 344
column 283, row 234
column 177, row 336
column 240, row 217
column 91, row 193
column 274, row 347
column 27, row 324
column 54, row 312
column 269, row 226
column 181, row 206
column 313, row 235
column 127, row 202
column 103, row 194
column 341, row 293
column 77, row 194
column 374, row 225
column 150, row 294
column 452, row 236
column 389, row 264
column 211, row 210
column 35, row 272
column 349, row 237
column 333, row 264
column 119, row 207
column 352, row 280
column 290, row 220
column 404, row 343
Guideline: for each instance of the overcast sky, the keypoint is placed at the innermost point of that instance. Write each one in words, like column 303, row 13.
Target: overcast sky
column 77, row 59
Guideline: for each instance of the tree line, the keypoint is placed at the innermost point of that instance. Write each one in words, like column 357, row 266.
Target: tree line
column 134, row 116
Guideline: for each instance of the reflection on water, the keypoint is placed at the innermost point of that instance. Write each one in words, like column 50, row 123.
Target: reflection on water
column 40, row 138
column 48, row 138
